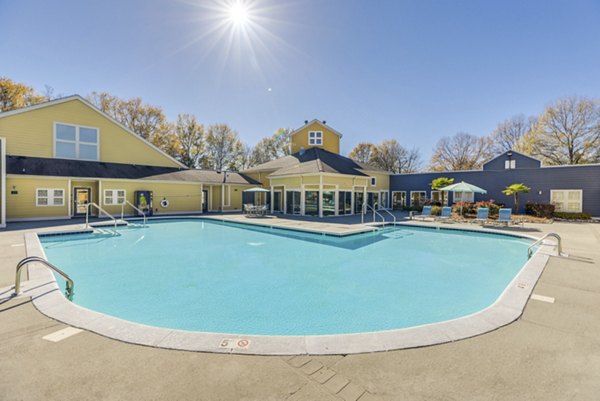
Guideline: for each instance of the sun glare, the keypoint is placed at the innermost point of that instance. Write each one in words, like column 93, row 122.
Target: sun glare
column 238, row 13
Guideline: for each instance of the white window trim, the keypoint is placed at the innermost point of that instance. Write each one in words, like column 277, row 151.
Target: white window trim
column 392, row 198
column 51, row 196
column 510, row 164
column 77, row 142
column 454, row 200
column 385, row 194
column 114, row 197
column 566, row 201
column 317, row 140
column 373, row 181
column 414, row 192
column 439, row 192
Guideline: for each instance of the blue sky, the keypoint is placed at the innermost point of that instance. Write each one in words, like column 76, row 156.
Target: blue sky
column 410, row 70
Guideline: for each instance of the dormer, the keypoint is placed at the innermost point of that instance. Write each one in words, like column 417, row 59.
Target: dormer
column 315, row 134
column 511, row 160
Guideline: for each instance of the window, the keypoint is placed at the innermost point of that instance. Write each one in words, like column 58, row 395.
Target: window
column 49, row 197
column 383, row 198
column 510, row 164
column 373, row 181
column 398, row 200
column 417, row 198
column 114, row 196
column 315, row 138
column 464, row 197
column 436, row 197
column 567, row 200
column 75, row 142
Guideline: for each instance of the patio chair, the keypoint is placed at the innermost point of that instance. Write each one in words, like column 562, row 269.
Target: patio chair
column 262, row 210
column 504, row 217
column 483, row 215
column 249, row 209
column 425, row 214
column 446, row 214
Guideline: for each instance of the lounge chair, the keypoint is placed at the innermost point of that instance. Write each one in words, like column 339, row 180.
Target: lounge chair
column 504, row 217
column 425, row 214
column 446, row 213
column 483, row 215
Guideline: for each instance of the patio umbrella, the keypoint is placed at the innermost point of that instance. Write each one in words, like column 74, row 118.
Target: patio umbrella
column 256, row 190
column 463, row 187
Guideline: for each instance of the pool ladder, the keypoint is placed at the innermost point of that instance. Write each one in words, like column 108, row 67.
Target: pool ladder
column 541, row 240
column 70, row 284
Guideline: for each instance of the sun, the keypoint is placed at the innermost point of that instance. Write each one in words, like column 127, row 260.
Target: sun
column 238, row 13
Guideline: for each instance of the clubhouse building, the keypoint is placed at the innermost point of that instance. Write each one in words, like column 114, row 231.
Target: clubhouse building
column 57, row 157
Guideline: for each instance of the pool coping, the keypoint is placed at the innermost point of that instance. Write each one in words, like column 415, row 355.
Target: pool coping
column 48, row 299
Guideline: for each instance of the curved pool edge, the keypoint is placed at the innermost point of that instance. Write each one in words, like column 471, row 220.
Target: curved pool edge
column 48, row 299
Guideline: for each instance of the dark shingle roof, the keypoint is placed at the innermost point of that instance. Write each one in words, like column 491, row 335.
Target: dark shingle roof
column 314, row 160
column 78, row 168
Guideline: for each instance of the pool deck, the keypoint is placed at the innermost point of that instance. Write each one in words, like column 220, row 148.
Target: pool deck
column 551, row 353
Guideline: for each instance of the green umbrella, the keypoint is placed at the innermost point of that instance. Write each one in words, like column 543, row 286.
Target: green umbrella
column 463, row 187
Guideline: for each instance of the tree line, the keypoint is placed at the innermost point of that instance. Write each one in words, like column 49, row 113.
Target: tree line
column 566, row 132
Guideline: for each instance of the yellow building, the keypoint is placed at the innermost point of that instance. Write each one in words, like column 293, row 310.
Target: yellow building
column 57, row 157
column 316, row 180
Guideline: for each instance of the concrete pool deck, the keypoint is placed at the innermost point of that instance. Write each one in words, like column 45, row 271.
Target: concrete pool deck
column 551, row 352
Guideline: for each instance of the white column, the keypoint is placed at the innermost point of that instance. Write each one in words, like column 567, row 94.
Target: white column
column 365, row 198
column 202, row 200
column 3, row 186
column 302, row 200
column 222, row 197
column 272, row 200
column 284, row 197
column 336, row 200
column 69, row 198
column 320, row 196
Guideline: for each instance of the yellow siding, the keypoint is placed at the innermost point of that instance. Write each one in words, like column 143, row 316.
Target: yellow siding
column 181, row 197
column 289, row 182
column 331, row 141
column 32, row 134
column 382, row 182
column 22, row 205
column 262, row 177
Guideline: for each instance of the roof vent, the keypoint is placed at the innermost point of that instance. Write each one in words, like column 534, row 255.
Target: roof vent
column 301, row 151
column 305, row 122
column 324, row 122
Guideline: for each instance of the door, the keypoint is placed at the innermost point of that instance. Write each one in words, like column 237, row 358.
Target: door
column 204, row 200
column 277, row 201
column 81, row 196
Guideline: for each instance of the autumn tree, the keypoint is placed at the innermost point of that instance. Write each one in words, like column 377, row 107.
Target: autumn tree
column 272, row 147
column 393, row 157
column 364, row 152
column 223, row 147
column 14, row 95
column 567, row 132
column 147, row 121
column 188, row 140
column 509, row 133
column 460, row 152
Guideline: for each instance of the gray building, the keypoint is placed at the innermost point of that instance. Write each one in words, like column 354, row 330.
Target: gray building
column 573, row 188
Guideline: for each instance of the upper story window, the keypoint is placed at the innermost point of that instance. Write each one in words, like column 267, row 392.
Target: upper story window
column 373, row 181
column 315, row 138
column 75, row 142
column 510, row 164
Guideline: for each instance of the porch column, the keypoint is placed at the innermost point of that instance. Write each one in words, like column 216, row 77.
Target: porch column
column 302, row 200
column 272, row 207
column 284, row 196
column 336, row 200
column 320, row 196
column 222, row 196
column 202, row 200
column 365, row 198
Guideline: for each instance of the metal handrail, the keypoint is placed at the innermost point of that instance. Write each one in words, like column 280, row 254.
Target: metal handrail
column 134, row 208
column 374, row 212
column 70, row 284
column 541, row 240
column 100, row 210
column 391, row 214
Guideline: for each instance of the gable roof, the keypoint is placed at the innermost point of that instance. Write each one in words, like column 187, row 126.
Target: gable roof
column 313, row 161
column 315, row 121
column 40, row 166
column 513, row 151
column 91, row 106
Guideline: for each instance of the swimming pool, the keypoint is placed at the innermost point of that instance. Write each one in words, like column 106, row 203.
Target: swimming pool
column 211, row 276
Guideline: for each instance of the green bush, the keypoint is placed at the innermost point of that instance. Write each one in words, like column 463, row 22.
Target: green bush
column 572, row 216
column 540, row 209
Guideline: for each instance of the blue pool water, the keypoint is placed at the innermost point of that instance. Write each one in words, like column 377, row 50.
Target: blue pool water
column 219, row 277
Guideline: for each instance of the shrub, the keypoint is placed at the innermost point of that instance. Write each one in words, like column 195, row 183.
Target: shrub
column 436, row 210
column 540, row 209
column 494, row 207
column 467, row 208
column 572, row 216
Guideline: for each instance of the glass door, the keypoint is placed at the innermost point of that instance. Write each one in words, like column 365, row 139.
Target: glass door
column 398, row 200
column 359, row 199
column 328, row 203
column 82, row 197
column 311, row 203
column 292, row 202
column 277, row 201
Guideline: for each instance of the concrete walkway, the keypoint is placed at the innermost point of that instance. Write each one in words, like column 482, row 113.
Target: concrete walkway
column 551, row 353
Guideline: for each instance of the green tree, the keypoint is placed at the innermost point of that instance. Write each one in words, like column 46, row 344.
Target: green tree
column 14, row 95
column 364, row 152
column 271, row 148
column 442, row 182
column 515, row 190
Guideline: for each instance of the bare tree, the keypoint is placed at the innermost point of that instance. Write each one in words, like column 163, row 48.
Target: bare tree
column 410, row 162
column 188, row 140
column 567, row 132
column 508, row 134
column 460, row 152
column 223, row 147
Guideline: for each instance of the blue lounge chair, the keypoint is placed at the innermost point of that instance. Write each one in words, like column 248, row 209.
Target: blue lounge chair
column 504, row 217
column 483, row 215
column 446, row 213
column 426, row 213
